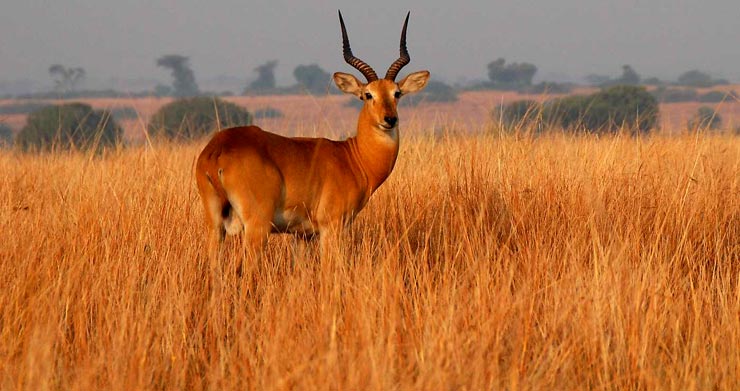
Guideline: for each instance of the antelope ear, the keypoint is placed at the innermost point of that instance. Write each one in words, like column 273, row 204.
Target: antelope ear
column 414, row 82
column 348, row 84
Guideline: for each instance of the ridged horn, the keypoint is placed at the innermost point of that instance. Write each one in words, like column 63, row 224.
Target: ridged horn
column 404, row 58
column 358, row 64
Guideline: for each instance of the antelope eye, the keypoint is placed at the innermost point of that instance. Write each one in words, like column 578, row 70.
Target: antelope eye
column 368, row 96
column 397, row 94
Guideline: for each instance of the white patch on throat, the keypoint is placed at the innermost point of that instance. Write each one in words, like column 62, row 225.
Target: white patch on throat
column 387, row 136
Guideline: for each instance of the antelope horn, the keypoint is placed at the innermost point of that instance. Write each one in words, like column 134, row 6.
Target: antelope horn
column 404, row 58
column 360, row 65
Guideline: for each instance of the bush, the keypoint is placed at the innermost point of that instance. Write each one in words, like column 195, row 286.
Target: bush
column 268, row 112
column 190, row 118
column 608, row 110
column 6, row 136
column 568, row 112
column 717, row 96
column 615, row 107
column 673, row 95
column 71, row 125
column 435, row 91
column 518, row 113
column 124, row 112
column 705, row 118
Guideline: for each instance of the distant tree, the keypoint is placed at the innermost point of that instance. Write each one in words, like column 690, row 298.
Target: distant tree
column 695, row 78
column 311, row 77
column 629, row 76
column 496, row 69
column 265, row 77
column 184, row 80
column 705, row 118
column 66, row 79
column 510, row 76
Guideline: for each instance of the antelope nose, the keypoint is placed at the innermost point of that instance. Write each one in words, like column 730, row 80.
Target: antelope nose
column 391, row 121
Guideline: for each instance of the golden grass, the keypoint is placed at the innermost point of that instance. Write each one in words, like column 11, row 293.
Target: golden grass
column 484, row 262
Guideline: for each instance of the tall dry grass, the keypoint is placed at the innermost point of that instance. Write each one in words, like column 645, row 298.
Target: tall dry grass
column 560, row 262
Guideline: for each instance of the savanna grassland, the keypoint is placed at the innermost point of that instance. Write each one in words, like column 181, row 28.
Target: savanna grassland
column 485, row 262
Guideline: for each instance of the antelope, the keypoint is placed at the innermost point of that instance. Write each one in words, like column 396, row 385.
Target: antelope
column 256, row 182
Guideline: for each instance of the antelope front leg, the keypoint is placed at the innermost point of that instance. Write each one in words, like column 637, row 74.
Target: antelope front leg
column 254, row 241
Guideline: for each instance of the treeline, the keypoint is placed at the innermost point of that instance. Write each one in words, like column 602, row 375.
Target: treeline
column 312, row 79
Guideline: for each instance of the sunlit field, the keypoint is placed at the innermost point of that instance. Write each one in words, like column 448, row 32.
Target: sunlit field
column 486, row 261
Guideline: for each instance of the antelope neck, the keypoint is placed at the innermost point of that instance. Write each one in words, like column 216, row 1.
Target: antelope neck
column 374, row 150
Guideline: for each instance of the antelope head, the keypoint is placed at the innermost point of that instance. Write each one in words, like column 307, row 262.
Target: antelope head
column 380, row 96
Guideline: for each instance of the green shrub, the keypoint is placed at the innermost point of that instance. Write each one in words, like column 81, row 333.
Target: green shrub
column 673, row 95
column 6, row 136
column 568, row 112
column 124, row 112
column 705, row 118
column 518, row 113
column 71, row 125
column 190, row 118
column 435, row 91
column 717, row 96
column 622, row 106
column 605, row 111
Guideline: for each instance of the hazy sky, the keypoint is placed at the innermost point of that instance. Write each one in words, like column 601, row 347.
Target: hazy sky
column 455, row 40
